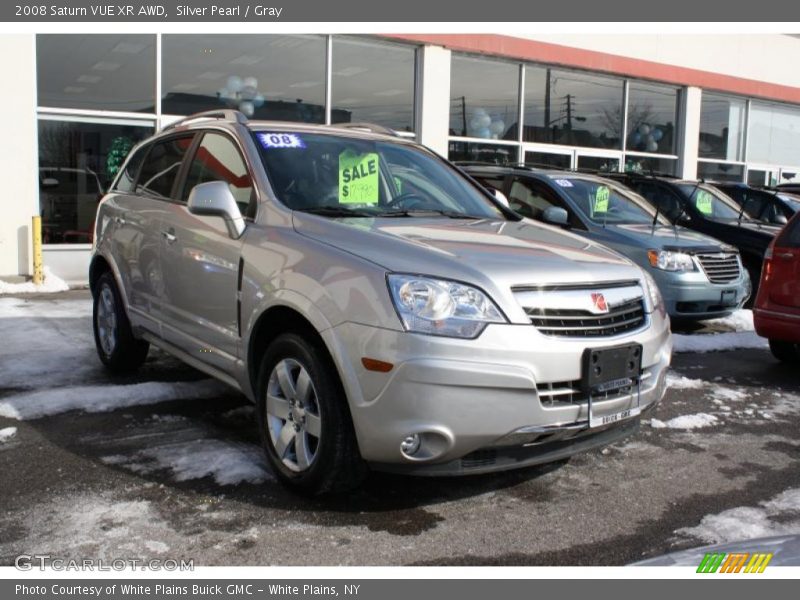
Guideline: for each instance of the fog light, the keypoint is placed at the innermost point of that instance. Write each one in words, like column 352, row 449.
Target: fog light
column 410, row 445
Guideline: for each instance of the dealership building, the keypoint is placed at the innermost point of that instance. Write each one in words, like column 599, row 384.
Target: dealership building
column 720, row 107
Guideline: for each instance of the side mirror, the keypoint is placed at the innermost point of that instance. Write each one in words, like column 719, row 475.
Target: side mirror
column 49, row 182
column 780, row 219
column 214, row 199
column 555, row 215
column 500, row 197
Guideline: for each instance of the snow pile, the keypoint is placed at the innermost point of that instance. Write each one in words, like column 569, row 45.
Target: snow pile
column 52, row 283
column 778, row 516
column 721, row 393
column 716, row 342
column 695, row 421
column 7, row 433
column 229, row 463
column 679, row 382
column 738, row 331
column 104, row 398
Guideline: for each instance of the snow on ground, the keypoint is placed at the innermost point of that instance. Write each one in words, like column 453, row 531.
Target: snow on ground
column 778, row 516
column 729, row 394
column 695, row 421
column 740, row 320
column 104, row 398
column 7, row 433
column 679, row 382
column 229, row 463
column 52, row 283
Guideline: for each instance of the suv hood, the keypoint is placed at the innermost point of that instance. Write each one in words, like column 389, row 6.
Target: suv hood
column 662, row 236
column 488, row 253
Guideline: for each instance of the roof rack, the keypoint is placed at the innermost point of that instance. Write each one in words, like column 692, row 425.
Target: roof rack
column 230, row 115
column 371, row 127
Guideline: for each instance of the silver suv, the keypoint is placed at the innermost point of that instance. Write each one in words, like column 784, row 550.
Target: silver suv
column 379, row 307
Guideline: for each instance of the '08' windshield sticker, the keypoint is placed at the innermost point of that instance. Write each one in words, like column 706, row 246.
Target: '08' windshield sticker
column 280, row 140
column 564, row 182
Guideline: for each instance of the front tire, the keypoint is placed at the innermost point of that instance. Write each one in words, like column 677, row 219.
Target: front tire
column 116, row 346
column 304, row 420
column 787, row 352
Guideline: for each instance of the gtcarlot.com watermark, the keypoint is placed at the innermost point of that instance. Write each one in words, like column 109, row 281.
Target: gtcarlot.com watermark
column 29, row 562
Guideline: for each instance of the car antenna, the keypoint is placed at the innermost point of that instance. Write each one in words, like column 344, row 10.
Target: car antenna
column 741, row 211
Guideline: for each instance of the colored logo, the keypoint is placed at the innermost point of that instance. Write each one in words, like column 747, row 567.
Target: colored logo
column 736, row 562
column 599, row 302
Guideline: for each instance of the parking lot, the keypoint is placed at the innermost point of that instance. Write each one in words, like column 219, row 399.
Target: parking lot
column 166, row 464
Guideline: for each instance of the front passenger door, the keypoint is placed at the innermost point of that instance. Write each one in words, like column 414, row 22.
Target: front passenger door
column 201, row 260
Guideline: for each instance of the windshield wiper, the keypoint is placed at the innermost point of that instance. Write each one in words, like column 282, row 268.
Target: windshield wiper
column 427, row 212
column 336, row 211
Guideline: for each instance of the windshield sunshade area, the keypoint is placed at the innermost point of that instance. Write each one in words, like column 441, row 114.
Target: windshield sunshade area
column 711, row 203
column 604, row 203
column 340, row 176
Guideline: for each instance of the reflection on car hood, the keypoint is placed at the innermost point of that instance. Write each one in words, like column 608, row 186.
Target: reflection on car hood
column 785, row 550
column 662, row 236
column 507, row 253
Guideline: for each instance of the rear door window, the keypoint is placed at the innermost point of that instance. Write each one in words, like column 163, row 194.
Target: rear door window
column 790, row 236
column 127, row 179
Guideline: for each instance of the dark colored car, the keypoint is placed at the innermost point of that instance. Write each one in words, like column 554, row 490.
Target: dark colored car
column 699, row 277
column 777, row 308
column 704, row 208
column 765, row 205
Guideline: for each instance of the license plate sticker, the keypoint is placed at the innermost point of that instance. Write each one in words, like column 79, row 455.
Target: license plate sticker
column 600, row 421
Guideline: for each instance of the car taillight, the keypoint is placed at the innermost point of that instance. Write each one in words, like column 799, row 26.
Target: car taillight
column 767, row 263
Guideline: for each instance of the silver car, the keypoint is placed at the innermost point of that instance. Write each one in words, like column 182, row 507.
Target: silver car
column 381, row 309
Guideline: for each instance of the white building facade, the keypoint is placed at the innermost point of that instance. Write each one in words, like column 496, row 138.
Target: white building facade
column 721, row 107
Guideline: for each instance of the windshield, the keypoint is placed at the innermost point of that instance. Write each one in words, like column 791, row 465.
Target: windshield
column 711, row 203
column 337, row 176
column 604, row 203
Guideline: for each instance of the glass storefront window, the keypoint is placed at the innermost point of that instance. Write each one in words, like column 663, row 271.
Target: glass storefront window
column 548, row 159
column 484, row 98
column 77, row 162
column 601, row 164
column 572, row 108
column 103, row 72
column 773, row 133
column 652, row 118
column 720, row 171
column 722, row 122
column 650, row 165
column 279, row 77
column 500, row 154
column 373, row 82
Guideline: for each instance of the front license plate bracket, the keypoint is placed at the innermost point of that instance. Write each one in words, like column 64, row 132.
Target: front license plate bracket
column 606, row 369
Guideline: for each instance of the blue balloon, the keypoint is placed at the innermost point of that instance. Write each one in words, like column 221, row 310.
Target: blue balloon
column 657, row 134
column 636, row 138
column 484, row 133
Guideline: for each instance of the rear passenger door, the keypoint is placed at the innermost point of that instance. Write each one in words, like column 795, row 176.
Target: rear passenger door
column 201, row 260
column 136, row 241
column 785, row 289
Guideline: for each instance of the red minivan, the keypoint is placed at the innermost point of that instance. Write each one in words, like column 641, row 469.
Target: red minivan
column 777, row 308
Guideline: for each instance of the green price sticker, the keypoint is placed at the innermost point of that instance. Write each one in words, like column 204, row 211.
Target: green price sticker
column 601, row 199
column 358, row 178
column 703, row 202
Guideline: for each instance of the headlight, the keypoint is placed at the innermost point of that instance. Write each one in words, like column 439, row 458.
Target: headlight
column 653, row 293
column 442, row 307
column 670, row 261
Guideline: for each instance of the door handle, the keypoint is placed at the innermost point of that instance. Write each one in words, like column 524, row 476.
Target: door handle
column 119, row 221
column 169, row 236
column 785, row 255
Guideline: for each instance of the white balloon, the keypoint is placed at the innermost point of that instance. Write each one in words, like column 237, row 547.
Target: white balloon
column 225, row 94
column 652, row 145
column 235, row 83
column 484, row 121
column 480, row 111
column 247, row 108
column 497, row 127
column 644, row 128
column 249, row 92
column 250, row 82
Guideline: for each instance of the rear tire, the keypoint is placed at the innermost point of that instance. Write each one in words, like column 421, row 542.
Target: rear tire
column 116, row 346
column 304, row 419
column 787, row 352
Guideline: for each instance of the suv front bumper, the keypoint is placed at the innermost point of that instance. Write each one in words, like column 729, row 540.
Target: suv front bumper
column 690, row 295
column 468, row 396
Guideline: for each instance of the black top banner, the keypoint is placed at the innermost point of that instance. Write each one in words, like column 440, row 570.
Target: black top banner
column 340, row 11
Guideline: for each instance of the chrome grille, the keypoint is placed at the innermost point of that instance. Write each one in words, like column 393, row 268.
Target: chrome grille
column 566, row 393
column 720, row 267
column 620, row 318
